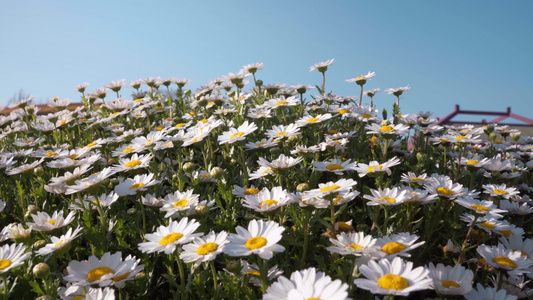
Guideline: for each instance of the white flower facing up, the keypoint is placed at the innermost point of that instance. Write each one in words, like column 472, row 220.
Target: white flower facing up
column 355, row 243
column 392, row 129
column 488, row 293
column 233, row 135
column 12, row 256
column 91, row 202
column 376, row 167
column 261, row 238
column 205, row 248
column 322, row 66
column 386, row 196
column 509, row 260
column 167, row 238
column 443, row 186
column 326, row 189
column 138, row 184
column 336, row 166
column 135, row 162
column 308, row 120
column 394, row 277
column 267, row 200
column 59, row 243
column 307, row 284
column 109, row 270
column 480, row 206
column 179, row 201
column 398, row 244
column 282, row 131
column 43, row 222
column 448, row 280
column 500, row 190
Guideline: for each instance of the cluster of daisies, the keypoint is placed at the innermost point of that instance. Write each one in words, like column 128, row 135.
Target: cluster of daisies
column 262, row 191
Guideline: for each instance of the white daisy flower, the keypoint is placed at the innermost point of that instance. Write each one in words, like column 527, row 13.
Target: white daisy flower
column 443, row 186
column 413, row 178
column 392, row 129
column 43, row 222
column 243, row 191
column 133, row 163
column 152, row 201
column 109, row 270
column 516, row 208
column 480, row 206
column 395, row 277
column 336, row 166
column 307, row 120
column 12, row 256
column 307, row 284
column 398, row 244
column 263, row 143
column 500, row 190
column 179, row 201
column 325, row 189
column 166, row 238
column 104, row 200
column 138, row 184
column 481, row 292
column 322, row 66
column 251, row 273
column 267, row 200
column 386, row 196
column 204, row 248
column 376, row 167
column 282, row 131
column 355, row 243
column 233, row 135
column 261, row 238
column 448, row 280
column 510, row 260
column 90, row 182
column 59, row 243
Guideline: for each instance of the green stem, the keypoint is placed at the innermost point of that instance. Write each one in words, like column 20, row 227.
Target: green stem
column 182, row 276
column 215, row 281
column 263, row 271
column 306, row 236
column 465, row 242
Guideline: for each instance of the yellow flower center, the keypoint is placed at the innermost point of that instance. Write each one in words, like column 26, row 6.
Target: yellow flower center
column 343, row 111
column 121, row 277
column 472, row 162
column 332, row 167
column 392, row 282
column 393, row 247
column 159, row 108
column 179, row 125
column 386, row 128
column 97, row 273
column 170, row 238
column 479, row 207
column 27, row 142
column 360, row 78
column 281, row 133
column 417, row 179
column 268, row 202
column 59, row 244
column 388, row 199
column 329, row 188
column 205, row 175
column 128, row 150
column 137, row 185
column 53, row 222
column 251, row 191
column 371, row 168
column 460, row 138
column 132, row 164
column 506, row 233
column 256, row 243
column 282, row 102
column 354, row 246
column 240, row 133
column 367, row 116
column 50, row 154
column 449, row 283
column 4, row 263
column 444, row 191
column 160, row 127
column 180, row 203
column 487, row 225
column 114, row 114
column 207, row 248
column 252, row 273
column 498, row 142
column 312, row 120
column 499, row 192
column 73, row 156
column 92, row 144
column 523, row 252
column 504, row 261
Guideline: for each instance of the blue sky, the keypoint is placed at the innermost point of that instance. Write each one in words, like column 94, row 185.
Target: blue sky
column 474, row 53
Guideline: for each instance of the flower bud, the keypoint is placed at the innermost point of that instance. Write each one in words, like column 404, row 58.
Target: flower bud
column 421, row 157
column 515, row 136
column 39, row 171
column 45, row 297
column 39, row 244
column 275, row 151
column 132, row 211
column 302, row 187
column 202, row 209
column 234, row 267
column 31, row 209
column 231, row 94
column 140, row 276
column 41, row 270
column 189, row 167
column 259, row 83
column 217, row 173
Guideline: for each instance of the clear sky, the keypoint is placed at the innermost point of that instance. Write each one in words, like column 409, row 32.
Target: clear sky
column 474, row 53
